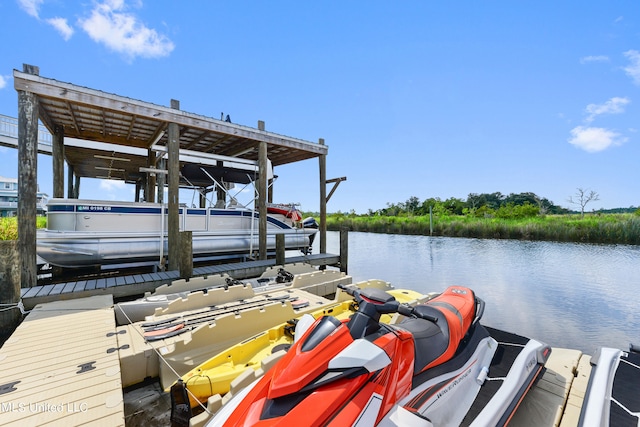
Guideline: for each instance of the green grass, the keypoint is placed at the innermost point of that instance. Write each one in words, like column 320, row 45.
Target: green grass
column 9, row 227
column 610, row 228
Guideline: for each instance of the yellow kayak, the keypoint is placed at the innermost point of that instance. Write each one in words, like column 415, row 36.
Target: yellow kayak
column 216, row 374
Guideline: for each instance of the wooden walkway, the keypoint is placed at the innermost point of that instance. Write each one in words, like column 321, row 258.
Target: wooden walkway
column 556, row 398
column 137, row 284
column 61, row 367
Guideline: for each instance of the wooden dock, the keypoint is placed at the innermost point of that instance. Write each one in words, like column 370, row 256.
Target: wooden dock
column 138, row 284
column 556, row 398
column 61, row 367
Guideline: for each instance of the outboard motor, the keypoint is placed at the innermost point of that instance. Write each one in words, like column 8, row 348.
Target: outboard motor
column 310, row 222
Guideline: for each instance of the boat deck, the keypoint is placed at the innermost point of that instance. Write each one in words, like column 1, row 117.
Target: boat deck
column 123, row 286
column 61, row 367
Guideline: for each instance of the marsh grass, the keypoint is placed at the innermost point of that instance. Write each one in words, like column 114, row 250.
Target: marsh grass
column 611, row 228
column 9, row 227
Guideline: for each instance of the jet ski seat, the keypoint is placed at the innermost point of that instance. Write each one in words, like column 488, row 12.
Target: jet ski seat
column 430, row 339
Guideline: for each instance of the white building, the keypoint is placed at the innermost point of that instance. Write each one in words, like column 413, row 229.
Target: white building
column 9, row 198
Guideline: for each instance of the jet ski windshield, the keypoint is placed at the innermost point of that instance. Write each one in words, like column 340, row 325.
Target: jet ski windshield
column 323, row 329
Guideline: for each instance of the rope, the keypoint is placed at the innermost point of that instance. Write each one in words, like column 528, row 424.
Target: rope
column 17, row 305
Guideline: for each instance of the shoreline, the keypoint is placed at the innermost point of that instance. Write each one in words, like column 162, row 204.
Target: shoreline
column 599, row 229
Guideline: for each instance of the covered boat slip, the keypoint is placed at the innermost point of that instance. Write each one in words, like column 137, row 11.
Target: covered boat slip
column 147, row 145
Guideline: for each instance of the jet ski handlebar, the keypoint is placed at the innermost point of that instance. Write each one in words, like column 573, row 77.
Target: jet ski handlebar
column 384, row 303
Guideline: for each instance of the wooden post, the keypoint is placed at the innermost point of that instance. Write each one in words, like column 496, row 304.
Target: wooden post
column 262, row 199
column 430, row 220
column 57, row 154
column 269, row 183
column 173, row 222
column 76, row 187
column 142, row 187
column 27, row 181
column 9, row 286
column 322, row 162
column 280, row 248
column 70, row 182
column 344, row 250
column 150, row 190
column 162, row 164
column 186, row 252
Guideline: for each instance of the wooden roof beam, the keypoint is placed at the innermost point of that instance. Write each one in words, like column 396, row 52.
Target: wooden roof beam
column 72, row 115
column 213, row 145
column 157, row 134
column 196, row 140
column 131, row 125
column 85, row 96
column 46, row 119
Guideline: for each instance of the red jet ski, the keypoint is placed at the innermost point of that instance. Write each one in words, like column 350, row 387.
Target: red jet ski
column 437, row 367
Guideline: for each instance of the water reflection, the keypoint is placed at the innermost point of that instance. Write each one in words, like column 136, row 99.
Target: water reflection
column 569, row 295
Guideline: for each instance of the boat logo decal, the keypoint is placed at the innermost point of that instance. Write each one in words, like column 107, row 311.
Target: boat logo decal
column 436, row 391
column 531, row 363
column 453, row 384
column 459, row 291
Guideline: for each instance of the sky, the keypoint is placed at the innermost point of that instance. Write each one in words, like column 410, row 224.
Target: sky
column 414, row 99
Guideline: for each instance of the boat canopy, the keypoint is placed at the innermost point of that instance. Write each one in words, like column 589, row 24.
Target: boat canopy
column 239, row 173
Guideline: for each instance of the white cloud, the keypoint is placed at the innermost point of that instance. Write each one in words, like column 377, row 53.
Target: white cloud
column 594, row 139
column 633, row 69
column 3, row 82
column 122, row 32
column 592, row 58
column 613, row 106
column 62, row 26
column 32, row 7
column 110, row 189
column 111, row 185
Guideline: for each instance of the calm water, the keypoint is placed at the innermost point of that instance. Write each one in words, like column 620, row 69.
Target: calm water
column 565, row 294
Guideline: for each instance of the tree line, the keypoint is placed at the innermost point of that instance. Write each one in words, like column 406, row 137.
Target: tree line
column 514, row 205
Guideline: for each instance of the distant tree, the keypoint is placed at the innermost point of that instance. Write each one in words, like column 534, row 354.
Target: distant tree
column 455, row 205
column 431, row 202
column 582, row 198
column 521, row 198
column 412, row 205
column 474, row 201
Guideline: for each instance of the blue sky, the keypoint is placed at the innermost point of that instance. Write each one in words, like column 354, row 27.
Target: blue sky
column 413, row 98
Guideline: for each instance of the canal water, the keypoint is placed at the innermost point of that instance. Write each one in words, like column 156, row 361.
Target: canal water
column 568, row 295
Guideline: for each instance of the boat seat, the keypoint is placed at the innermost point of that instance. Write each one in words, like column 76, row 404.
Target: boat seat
column 430, row 339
